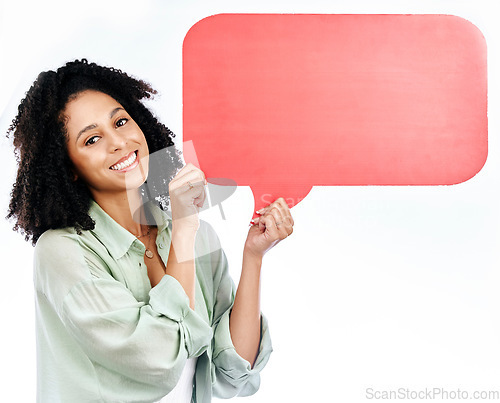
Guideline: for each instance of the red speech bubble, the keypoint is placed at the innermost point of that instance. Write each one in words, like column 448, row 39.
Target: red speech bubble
column 286, row 102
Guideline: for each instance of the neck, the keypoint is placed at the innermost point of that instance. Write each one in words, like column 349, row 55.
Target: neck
column 126, row 209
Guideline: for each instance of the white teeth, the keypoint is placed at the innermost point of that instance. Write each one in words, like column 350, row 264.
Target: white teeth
column 122, row 165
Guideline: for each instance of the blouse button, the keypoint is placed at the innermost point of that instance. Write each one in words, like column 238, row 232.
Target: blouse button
column 160, row 245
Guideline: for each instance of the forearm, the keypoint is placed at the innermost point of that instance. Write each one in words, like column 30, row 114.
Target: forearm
column 180, row 263
column 244, row 322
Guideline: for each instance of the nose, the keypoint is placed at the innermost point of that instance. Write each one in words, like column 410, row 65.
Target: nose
column 116, row 141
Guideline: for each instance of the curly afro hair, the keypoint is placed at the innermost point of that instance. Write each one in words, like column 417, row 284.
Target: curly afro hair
column 45, row 194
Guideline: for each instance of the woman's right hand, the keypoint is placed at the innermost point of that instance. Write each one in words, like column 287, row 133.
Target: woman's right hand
column 187, row 195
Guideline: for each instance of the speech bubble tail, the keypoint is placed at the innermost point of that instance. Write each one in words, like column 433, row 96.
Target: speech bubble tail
column 292, row 193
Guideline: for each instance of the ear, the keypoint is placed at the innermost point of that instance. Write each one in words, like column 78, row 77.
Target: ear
column 74, row 176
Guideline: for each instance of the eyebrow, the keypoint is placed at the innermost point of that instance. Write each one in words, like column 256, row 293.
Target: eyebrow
column 93, row 125
column 114, row 111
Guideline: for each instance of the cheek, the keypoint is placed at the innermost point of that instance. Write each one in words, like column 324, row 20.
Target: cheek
column 82, row 166
column 145, row 142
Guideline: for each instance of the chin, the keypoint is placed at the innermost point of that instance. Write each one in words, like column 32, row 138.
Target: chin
column 135, row 180
column 137, row 176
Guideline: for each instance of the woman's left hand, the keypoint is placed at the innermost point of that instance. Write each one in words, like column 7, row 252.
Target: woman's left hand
column 273, row 224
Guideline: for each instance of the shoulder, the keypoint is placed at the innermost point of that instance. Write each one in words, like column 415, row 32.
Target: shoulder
column 65, row 243
column 59, row 263
column 63, row 256
column 60, row 232
column 56, row 242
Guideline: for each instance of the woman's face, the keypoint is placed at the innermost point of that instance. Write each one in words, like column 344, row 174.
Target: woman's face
column 107, row 148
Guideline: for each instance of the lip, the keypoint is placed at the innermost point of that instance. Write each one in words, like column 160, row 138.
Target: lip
column 125, row 158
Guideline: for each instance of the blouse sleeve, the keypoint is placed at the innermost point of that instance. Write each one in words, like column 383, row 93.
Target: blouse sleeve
column 232, row 375
column 135, row 347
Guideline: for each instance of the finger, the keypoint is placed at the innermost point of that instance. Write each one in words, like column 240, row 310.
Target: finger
column 189, row 185
column 199, row 201
column 270, row 210
column 276, row 213
column 278, row 203
column 254, row 221
column 284, row 226
column 187, row 174
column 184, row 170
column 282, row 229
column 285, row 211
column 191, row 177
column 267, row 223
column 196, row 192
column 190, row 189
column 282, row 206
column 188, row 168
column 190, row 194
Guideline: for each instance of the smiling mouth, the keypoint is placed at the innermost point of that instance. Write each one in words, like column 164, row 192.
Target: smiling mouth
column 121, row 165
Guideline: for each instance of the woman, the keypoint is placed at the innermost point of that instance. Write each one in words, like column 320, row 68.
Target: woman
column 131, row 305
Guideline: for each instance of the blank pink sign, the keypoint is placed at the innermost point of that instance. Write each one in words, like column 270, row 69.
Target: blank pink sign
column 286, row 102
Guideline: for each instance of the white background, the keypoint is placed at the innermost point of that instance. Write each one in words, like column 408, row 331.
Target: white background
column 379, row 287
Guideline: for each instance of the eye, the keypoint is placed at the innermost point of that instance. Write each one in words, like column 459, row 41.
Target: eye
column 92, row 140
column 121, row 122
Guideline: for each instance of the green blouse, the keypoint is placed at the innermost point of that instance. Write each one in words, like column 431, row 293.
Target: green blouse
column 104, row 335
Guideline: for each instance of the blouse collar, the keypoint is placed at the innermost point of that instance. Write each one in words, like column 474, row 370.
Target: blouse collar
column 116, row 238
